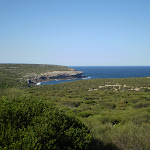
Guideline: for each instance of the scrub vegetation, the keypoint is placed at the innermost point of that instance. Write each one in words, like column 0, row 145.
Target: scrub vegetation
column 105, row 114
column 116, row 111
column 14, row 75
column 30, row 123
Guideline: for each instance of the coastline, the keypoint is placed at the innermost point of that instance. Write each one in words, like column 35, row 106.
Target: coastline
column 36, row 79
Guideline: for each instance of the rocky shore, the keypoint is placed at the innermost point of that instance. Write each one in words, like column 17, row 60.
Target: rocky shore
column 48, row 76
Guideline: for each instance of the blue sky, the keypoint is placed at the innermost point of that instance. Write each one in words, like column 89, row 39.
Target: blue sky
column 75, row 32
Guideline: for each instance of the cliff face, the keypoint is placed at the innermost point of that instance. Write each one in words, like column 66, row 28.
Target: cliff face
column 48, row 76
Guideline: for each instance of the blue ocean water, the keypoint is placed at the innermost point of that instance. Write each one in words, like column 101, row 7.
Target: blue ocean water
column 99, row 72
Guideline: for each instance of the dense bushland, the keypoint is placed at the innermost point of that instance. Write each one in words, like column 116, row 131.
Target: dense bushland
column 29, row 123
column 47, row 116
column 117, row 118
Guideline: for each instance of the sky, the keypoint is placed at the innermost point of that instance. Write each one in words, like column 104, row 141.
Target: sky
column 75, row 32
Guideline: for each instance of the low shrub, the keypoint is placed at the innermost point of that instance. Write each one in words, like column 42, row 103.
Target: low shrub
column 141, row 105
column 111, row 105
column 89, row 102
column 131, row 137
column 85, row 113
column 140, row 118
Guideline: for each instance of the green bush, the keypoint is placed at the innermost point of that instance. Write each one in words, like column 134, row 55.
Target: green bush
column 131, row 137
column 85, row 113
column 111, row 105
column 28, row 123
column 141, row 105
column 89, row 102
column 141, row 118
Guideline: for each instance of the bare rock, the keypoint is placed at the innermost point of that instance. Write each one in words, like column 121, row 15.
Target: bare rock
column 47, row 76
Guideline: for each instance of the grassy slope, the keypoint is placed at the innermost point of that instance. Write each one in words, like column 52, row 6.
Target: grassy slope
column 13, row 74
column 119, row 118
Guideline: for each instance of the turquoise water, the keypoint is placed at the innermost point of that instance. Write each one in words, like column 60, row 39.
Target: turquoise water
column 100, row 72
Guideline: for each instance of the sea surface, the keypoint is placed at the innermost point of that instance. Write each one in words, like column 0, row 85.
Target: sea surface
column 101, row 72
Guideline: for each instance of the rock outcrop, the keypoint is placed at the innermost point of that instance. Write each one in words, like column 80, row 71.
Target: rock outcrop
column 48, row 76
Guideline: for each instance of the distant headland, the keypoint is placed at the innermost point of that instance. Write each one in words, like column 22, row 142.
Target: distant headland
column 53, row 75
column 34, row 73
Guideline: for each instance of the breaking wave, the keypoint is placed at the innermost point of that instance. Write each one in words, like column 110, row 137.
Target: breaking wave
column 38, row 83
column 86, row 78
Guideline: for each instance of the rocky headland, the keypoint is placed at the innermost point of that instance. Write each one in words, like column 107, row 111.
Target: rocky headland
column 53, row 75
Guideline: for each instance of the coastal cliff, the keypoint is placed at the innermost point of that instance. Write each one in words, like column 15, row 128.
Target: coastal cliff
column 48, row 76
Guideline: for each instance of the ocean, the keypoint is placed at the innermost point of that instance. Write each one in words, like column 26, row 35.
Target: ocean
column 101, row 72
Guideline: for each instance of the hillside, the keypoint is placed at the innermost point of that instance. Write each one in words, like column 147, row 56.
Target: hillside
column 28, row 122
column 117, row 111
column 18, row 74
column 97, row 114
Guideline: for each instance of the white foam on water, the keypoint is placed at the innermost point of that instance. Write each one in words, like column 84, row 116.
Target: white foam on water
column 38, row 83
column 57, row 80
column 86, row 78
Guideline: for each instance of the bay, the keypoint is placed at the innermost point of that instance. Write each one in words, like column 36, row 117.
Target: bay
column 101, row 72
